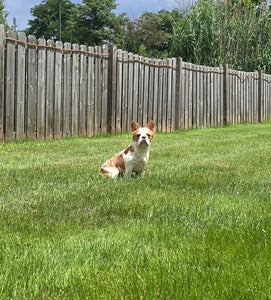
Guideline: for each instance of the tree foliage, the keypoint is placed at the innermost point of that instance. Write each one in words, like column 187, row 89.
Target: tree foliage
column 150, row 34
column 91, row 22
column 46, row 19
column 3, row 15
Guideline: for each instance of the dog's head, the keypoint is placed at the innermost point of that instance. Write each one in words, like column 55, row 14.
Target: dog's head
column 142, row 136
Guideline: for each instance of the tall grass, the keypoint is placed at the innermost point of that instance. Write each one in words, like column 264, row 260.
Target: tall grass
column 196, row 225
column 228, row 32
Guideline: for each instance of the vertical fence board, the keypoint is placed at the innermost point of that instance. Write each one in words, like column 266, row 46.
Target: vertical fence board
column 75, row 90
column 112, row 73
column 41, row 89
column 98, row 92
column 124, row 92
column 10, row 87
column 90, row 92
column 141, row 90
column 2, row 77
column 31, row 88
column 169, row 95
column 83, row 91
column 119, row 91
column 173, row 87
column 160, row 96
column 145, row 91
column 58, row 91
column 165, row 97
column 20, row 86
column 50, row 90
column 105, row 89
column 151, row 91
column 135, row 87
column 130, row 89
column 67, row 90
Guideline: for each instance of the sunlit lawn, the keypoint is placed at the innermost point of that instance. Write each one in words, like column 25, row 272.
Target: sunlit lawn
column 196, row 225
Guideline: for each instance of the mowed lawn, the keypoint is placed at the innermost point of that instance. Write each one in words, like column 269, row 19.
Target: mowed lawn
column 196, row 225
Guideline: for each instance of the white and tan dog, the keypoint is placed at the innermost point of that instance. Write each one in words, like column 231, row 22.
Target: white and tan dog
column 134, row 157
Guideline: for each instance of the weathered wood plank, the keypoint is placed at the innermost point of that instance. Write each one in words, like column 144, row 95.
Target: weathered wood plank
column 58, row 91
column 83, row 91
column 169, row 95
column 151, row 91
column 119, row 91
column 41, row 89
column 112, row 78
column 2, row 80
column 10, row 86
column 124, row 107
column 104, row 90
column 160, row 95
column 98, row 91
column 135, row 87
column 165, row 95
column 75, row 90
column 20, row 87
column 146, row 91
column 130, row 90
column 67, row 90
column 141, row 90
column 155, row 91
column 90, row 93
column 31, row 88
column 50, row 90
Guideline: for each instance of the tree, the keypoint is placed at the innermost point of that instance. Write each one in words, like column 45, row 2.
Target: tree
column 46, row 20
column 97, row 24
column 151, row 34
column 3, row 15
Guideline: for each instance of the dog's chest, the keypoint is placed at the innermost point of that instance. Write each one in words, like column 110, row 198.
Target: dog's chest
column 136, row 160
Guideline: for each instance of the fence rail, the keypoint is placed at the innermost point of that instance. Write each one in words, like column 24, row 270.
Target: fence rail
column 49, row 89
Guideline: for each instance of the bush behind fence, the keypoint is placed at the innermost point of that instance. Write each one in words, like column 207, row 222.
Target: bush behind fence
column 49, row 90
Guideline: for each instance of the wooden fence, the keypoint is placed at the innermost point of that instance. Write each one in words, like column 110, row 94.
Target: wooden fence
column 49, row 90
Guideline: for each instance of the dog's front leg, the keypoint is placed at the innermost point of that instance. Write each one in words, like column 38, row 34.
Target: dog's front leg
column 128, row 172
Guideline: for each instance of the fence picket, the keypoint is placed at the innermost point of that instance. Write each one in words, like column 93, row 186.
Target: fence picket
column 2, row 75
column 20, row 87
column 31, row 88
column 10, row 87
column 50, row 75
column 58, row 91
column 90, row 93
column 75, row 90
column 67, row 89
column 41, row 89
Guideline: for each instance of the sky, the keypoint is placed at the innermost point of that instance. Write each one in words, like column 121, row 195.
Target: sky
column 20, row 9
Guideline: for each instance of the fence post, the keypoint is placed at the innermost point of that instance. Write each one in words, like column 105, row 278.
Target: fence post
column 2, row 72
column 111, row 96
column 178, row 93
column 260, row 73
column 225, row 93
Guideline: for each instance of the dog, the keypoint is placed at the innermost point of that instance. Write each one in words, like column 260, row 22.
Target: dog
column 135, row 157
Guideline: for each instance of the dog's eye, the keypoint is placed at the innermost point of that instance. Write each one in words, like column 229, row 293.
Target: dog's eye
column 148, row 135
column 138, row 135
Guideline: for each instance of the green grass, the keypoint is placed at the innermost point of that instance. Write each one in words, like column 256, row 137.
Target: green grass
column 196, row 225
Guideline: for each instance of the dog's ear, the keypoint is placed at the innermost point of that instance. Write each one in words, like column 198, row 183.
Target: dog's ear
column 134, row 126
column 150, row 125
